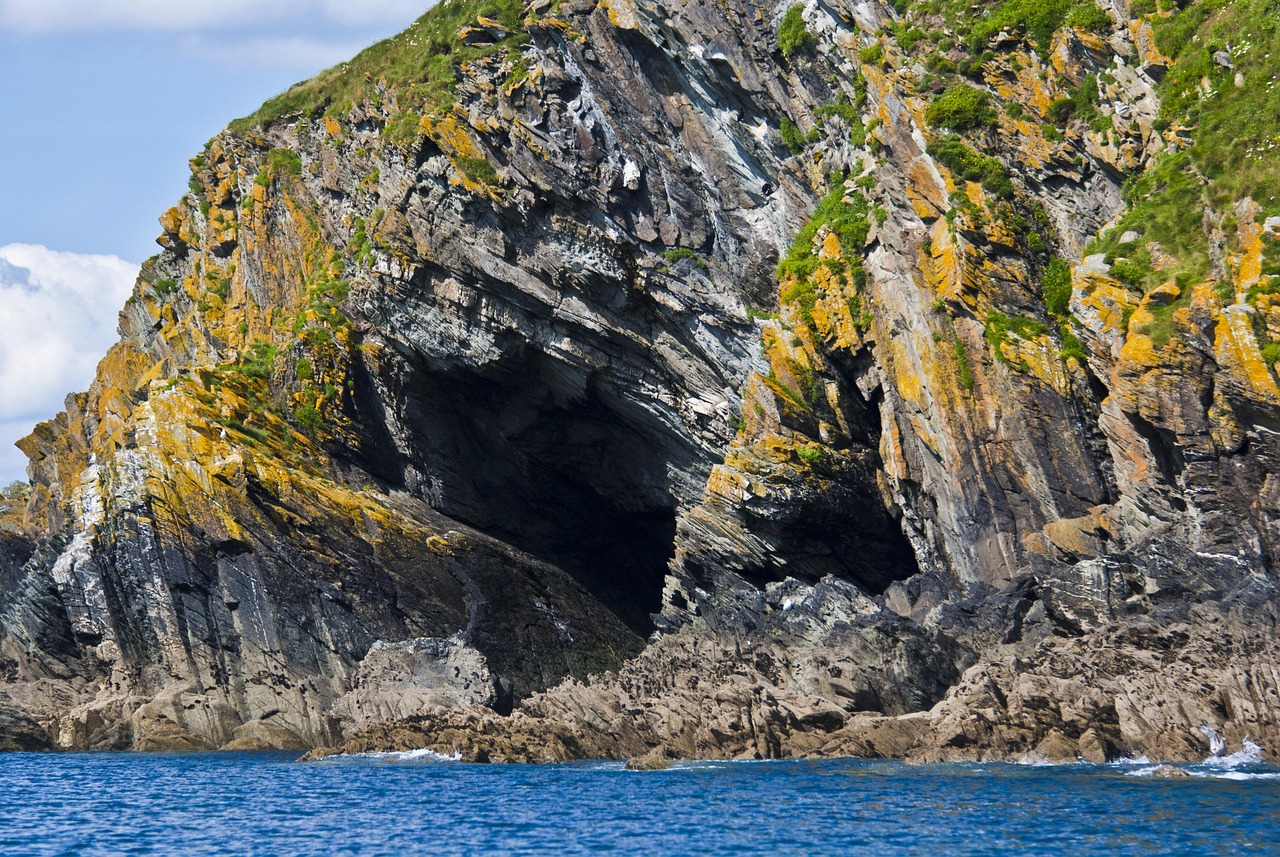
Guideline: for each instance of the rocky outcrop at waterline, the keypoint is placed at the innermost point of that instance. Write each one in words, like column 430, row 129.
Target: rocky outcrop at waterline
column 593, row 379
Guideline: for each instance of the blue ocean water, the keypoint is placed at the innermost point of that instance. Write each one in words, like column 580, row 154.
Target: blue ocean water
column 267, row 804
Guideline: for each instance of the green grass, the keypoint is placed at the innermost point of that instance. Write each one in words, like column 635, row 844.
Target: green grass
column 1161, row 328
column 793, row 35
column 1234, row 133
column 284, row 161
column 1055, row 286
column 423, row 61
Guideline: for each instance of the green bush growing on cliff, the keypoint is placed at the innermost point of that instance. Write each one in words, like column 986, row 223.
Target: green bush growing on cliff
column 793, row 35
column 792, row 137
column 960, row 108
column 676, row 254
column 1055, row 285
column 478, row 170
column 284, row 161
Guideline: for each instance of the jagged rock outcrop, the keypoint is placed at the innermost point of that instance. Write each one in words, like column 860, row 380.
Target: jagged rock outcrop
column 829, row 344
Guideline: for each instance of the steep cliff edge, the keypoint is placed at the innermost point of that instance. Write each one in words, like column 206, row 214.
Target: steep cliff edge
column 905, row 371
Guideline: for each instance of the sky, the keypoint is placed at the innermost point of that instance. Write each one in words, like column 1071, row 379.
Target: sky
column 101, row 104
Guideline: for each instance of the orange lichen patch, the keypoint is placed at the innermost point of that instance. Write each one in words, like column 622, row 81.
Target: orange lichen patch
column 1040, row 358
column 943, row 266
column 1077, row 537
column 1107, row 299
column 976, row 195
column 1144, row 39
column 1034, row 149
column 622, row 13
column 331, row 126
column 1236, row 350
column 927, row 194
column 1249, row 266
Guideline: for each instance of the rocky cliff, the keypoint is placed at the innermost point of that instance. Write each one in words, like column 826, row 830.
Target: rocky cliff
column 611, row 379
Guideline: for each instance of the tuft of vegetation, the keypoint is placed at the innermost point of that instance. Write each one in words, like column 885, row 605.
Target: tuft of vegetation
column 676, row 254
column 972, row 166
column 793, row 35
column 961, row 107
column 810, row 455
column 308, row 419
column 284, row 161
column 164, row 287
column 478, row 170
column 846, row 214
column 999, row 327
column 792, row 136
column 1055, row 286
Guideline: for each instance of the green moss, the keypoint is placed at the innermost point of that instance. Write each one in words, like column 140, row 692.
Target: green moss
column 793, row 35
column 1271, row 352
column 872, row 54
column 961, row 107
column 164, row 287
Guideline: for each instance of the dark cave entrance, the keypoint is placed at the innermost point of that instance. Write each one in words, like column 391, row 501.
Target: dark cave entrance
column 578, row 479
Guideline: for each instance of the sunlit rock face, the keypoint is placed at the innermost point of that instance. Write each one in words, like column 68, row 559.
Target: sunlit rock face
column 755, row 360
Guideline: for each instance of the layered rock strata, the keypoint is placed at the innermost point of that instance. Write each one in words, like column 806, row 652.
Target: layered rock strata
column 767, row 333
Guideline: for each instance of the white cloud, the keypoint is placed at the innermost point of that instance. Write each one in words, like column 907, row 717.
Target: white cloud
column 52, row 16
column 267, row 52
column 57, row 319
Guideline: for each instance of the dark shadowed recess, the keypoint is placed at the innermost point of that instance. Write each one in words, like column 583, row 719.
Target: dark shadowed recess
column 578, row 480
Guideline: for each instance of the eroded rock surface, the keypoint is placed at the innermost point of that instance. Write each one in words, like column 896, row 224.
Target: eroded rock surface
column 646, row 323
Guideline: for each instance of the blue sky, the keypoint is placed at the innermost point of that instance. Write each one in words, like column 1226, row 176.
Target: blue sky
column 103, row 102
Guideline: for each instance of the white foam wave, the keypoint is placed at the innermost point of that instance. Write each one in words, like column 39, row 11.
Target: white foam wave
column 1142, row 772
column 419, row 755
column 1125, row 762
column 1249, row 754
column 1239, row 775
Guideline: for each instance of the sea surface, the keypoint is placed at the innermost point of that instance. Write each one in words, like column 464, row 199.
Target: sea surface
column 418, row 803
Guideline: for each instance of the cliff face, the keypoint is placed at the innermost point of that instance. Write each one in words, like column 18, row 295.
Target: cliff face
column 907, row 370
